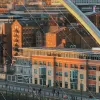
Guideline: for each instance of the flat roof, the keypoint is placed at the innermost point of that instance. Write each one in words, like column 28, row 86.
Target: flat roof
column 22, row 57
column 77, row 50
column 57, row 30
column 37, row 13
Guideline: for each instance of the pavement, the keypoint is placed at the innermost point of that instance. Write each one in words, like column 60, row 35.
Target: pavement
column 46, row 92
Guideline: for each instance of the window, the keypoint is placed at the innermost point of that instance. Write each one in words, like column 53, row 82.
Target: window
column 75, row 66
column 92, row 88
column 73, row 86
column 81, row 76
column 49, row 64
column 57, row 73
column 49, row 82
column 49, row 72
column 35, row 71
column 66, row 74
column 66, row 65
column 60, row 64
column 92, row 68
column 56, row 64
column 89, row 77
column 60, row 83
column 99, row 68
column 13, row 78
column 35, row 62
column 92, row 77
column 56, row 83
column 35, row 81
column 41, row 63
column 21, row 70
column 42, row 71
column 44, row 63
column 66, row 84
column 99, row 78
column 81, row 66
column 60, row 73
column 99, row 89
column 81, row 86
column 72, row 65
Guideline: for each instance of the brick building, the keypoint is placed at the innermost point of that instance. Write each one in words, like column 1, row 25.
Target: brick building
column 18, row 2
column 23, row 35
column 95, row 18
column 68, row 68
column 40, row 34
column 55, row 38
column 3, row 10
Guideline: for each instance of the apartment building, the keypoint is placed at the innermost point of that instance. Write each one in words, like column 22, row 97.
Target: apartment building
column 67, row 68
column 40, row 34
column 23, row 35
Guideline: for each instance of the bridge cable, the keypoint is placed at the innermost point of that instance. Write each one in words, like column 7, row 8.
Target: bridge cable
column 78, row 33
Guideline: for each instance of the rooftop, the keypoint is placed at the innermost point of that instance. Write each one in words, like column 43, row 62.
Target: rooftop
column 27, row 22
column 77, row 50
column 92, row 13
column 57, row 30
column 9, row 15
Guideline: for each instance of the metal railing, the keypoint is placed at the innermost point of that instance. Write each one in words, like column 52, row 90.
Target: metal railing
column 86, row 1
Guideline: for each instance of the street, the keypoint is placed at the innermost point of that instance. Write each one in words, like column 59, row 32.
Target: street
column 26, row 88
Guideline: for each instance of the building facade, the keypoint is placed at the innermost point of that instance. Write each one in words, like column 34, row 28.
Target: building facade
column 67, row 68
column 95, row 18
column 23, row 70
column 84, row 5
column 23, row 35
column 56, row 37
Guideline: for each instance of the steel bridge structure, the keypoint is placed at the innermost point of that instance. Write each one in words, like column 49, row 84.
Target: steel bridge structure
column 82, row 18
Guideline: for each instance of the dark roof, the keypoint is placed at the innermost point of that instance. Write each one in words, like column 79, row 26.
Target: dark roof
column 33, row 23
column 9, row 15
column 27, row 23
column 45, row 29
column 92, row 13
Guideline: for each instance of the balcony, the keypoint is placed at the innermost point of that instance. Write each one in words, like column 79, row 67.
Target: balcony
column 16, row 31
column 16, row 40
column 15, row 35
